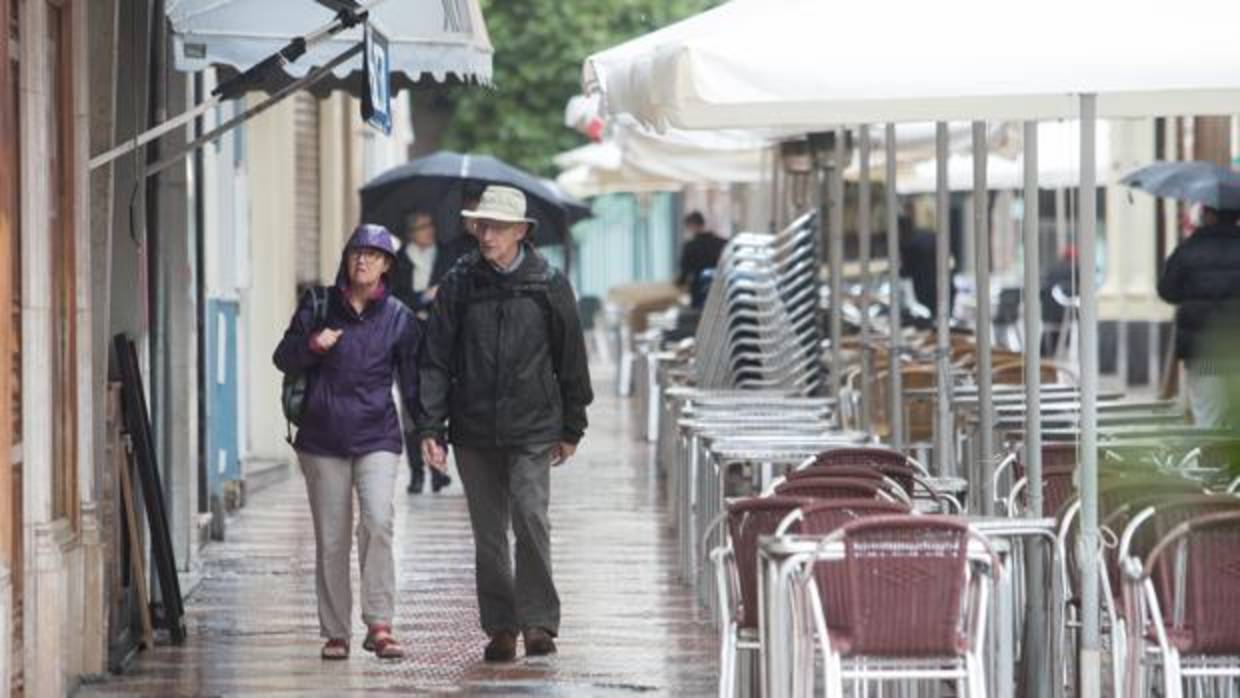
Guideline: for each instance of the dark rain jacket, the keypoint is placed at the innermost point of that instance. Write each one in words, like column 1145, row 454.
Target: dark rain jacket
column 402, row 277
column 504, row 361
column 349, row 410
column 1202, row 279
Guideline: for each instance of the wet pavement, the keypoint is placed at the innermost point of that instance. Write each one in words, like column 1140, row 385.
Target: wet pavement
column 628, row 628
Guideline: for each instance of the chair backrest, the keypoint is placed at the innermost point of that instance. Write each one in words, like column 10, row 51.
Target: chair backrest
column 1208, row 592
column 851, row 471
column 1168, row 516
column 823, row 517
column 832, row 488
column 1058, row 486
column 1054, row 453
column 907, row 579
column 748, row 520
column 1013, row 372
column 860, row 456
column 919, row 414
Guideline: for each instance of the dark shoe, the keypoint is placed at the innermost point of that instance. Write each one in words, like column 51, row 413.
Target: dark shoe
column 415, row 484
column 538, row 642
column 439, row 481
column 501, row 648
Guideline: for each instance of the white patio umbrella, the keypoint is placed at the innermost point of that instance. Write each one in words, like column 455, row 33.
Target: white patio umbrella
column 813, row 64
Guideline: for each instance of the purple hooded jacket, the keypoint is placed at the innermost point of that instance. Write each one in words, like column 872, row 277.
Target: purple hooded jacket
column 349, row 410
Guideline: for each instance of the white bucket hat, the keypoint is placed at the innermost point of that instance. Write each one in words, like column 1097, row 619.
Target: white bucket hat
column 500, row 203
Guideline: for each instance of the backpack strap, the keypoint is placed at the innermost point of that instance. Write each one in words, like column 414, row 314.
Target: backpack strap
column 538, row 290
column 319, row 296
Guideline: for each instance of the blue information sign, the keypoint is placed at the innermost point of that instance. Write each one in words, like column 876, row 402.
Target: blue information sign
column 376, row 97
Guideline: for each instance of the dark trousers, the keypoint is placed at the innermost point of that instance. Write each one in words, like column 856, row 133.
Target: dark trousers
column 504, row 487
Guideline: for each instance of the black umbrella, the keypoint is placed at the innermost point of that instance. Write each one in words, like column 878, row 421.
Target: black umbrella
column 1203, row 182
column 436, row 183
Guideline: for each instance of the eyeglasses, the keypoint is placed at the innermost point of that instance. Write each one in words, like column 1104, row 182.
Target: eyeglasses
column 367, row 253
column 479, row 226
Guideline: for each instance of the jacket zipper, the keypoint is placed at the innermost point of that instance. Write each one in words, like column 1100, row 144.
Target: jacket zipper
column 499, row 348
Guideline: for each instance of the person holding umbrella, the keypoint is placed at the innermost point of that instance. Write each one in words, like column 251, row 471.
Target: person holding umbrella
column 1202, row 279
column 504, row 378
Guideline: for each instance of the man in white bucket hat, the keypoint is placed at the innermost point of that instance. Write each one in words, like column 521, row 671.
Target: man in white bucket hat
column 504, row 368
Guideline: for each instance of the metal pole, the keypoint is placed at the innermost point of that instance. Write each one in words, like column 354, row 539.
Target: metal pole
column 1035, row 614
column 775, row 164
column 835, row 206
column 981, row 261
column 895, row 413
column 1091, row 657
column 863, row 231
column 312, row 77
column 943, row 422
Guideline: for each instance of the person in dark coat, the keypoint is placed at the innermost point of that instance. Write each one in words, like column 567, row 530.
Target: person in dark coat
column 698, row 258
column 420, row 264
column 504, row 379
column 350, row 435
column 1202, row 279
column 1061, row 274
column 918, row 262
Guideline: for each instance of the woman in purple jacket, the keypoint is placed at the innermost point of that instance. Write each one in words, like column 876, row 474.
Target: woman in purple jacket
column 350, row 435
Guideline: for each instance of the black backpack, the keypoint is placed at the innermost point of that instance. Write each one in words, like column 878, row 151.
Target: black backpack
column 296, row 385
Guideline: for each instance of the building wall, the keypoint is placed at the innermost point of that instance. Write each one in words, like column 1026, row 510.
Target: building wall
column 269, row 300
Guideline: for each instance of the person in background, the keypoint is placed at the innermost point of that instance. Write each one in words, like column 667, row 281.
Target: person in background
column 420, row 264
column 349, row 437
column 1060, row 275
column 918, row 262
column 1201, row 279
column 698, row 258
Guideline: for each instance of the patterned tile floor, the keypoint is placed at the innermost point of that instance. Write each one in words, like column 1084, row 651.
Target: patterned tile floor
column 629, row 627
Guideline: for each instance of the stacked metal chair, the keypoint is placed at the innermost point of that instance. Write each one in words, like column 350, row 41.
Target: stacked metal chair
column 759, row 328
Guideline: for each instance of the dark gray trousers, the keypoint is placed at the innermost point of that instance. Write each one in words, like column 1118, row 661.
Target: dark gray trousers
column 503, row 486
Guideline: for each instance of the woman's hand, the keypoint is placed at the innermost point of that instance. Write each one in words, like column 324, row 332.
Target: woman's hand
column 326, row 339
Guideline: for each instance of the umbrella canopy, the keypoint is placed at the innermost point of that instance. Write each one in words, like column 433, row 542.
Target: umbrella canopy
column 438, row 182
column 1202, row 182
column 777, row 63
column 426, row 38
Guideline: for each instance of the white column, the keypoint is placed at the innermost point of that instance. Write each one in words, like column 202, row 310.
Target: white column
column 43, row 578
column 985, row 452
column 895, row 412
column 863, row 231
column 836, row 232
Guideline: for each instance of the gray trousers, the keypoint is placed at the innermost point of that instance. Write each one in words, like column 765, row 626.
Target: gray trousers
column 503, row 486
column 330, row 483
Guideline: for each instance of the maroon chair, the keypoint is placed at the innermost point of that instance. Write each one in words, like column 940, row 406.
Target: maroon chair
column 1058, row 487
column 833, row 488
column 1202, row 639
column 907, row 585
column 862, row 456
column 736, row 573
column 824, row 517
column 748, row 520
column 856, row 471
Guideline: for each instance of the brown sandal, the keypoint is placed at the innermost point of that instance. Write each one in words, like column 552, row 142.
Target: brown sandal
column 380, row 641
column 335, row 649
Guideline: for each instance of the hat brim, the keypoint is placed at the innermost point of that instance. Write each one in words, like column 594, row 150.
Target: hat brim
column 496, row 216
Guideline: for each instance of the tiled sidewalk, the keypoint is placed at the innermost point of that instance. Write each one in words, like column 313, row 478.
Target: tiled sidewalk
column 629, row 627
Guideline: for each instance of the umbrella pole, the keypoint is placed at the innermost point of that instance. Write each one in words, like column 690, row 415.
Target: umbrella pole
column 1035, row 625
column 835, row 205
column 895, row 411
column 1091, row 657
column 981, row 261
column 943, row 421
column 863, row 231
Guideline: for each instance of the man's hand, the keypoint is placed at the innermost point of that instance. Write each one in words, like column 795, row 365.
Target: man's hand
column 562, row 452
column 434, row 454
column 327, row 338
column 429, row 294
